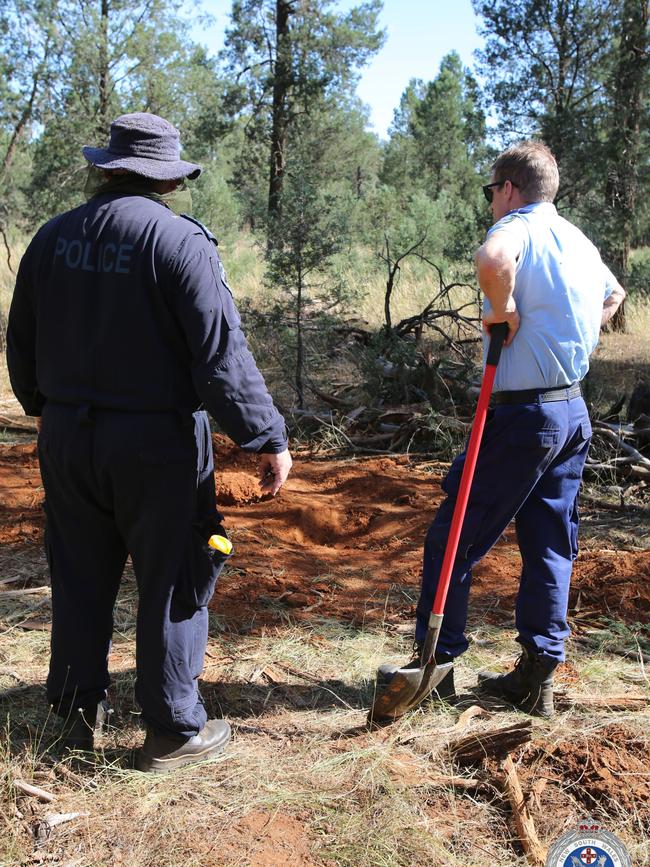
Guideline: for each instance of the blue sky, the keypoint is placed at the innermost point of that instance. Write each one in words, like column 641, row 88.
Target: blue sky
column 419, row 34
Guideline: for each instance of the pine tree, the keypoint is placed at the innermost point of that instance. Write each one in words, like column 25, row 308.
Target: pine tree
column 287, row 58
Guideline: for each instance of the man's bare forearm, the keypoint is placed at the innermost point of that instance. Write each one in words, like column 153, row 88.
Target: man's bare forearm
column 495, row 267
column 496, row 277
column 612, row 303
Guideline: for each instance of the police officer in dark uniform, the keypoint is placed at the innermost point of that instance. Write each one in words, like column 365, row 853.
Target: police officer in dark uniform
column 121, row 329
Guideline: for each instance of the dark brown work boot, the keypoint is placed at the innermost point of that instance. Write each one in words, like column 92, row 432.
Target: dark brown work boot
column 529, row 686
column 80, row 726
column 162, row 753
column 445, row 691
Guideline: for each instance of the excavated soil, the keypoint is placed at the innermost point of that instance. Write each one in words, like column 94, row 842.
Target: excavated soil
column 263, row 840
column 604, row 772
column 343, row 538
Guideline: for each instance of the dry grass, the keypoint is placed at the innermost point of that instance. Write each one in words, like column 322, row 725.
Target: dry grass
column 304, row 782
column 301, row 761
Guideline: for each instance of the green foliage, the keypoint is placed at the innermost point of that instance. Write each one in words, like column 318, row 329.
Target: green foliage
column 546, row 65
column 215, row 204
column 437, row 148
column 98, row 61
column 391, row 369
column 620, row 636
column 327, row 49
column 441, row 131
column 638, row 281
column 443, row 229
column 308, row 230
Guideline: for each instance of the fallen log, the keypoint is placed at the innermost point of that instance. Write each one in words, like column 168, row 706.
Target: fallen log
column 330, row 399
column 444, row 781
column 11, row 423
column 608, row 702
column 626, row 508
column 625, row 652
column 33, row 791
column 526, row 831
column 614, row 438
column 28, row 591
column 495, row 743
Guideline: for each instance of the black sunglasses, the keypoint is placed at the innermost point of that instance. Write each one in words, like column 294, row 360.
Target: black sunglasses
column 487, row 188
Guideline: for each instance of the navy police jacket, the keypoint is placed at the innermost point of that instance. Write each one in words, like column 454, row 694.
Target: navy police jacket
column 123, row 305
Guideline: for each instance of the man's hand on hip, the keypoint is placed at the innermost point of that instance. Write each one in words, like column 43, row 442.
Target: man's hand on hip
column 510, row 316
column 273, row 471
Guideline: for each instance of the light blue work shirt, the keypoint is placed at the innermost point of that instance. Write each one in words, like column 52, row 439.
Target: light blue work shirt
column 560, row 286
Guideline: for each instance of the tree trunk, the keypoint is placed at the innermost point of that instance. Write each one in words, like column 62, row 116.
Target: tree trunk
column 281, row 84
column 104, row 74
column 27, row 112
column 23, row 120
column 300, row 352
column 622, row 178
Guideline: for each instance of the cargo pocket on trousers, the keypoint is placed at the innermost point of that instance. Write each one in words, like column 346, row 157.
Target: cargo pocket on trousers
column 540, row 440
column 202, row 567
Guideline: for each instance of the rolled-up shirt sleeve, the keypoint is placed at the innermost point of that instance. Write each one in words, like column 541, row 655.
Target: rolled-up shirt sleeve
column 224, row 372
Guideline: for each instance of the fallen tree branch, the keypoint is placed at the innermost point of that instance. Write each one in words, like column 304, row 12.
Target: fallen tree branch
column 496, row 743
column 11, row 423
column 526, row 831
column 625, row 652
column 330, row 399
column 628, row 508
column 609, row 702
column 606, row 433
column 43, row 829
column 14, row 594
column 33, row 791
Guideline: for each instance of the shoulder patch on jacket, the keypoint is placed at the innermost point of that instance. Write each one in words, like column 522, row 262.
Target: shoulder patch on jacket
column 208, row 234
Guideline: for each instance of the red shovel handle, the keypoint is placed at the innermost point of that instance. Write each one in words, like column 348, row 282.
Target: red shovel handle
column 498, row 334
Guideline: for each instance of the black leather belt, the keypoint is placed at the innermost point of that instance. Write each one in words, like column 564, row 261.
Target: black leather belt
column 534, row 395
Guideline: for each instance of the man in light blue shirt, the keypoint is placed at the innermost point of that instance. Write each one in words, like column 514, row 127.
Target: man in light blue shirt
column 560, row 287
column 543, row 277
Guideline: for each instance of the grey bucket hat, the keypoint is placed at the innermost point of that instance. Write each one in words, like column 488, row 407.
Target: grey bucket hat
column 145, row 144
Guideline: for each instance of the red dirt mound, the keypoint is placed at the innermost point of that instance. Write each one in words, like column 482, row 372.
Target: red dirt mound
column 608, row 769
column 237, row 489
column 617, row 582
column 343, row 538
column 275, row 840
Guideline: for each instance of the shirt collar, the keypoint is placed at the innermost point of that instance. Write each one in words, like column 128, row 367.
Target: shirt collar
column 537, row 207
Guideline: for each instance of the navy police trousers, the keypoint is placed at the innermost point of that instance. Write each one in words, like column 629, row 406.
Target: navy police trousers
column 529, row 468
column 119, row 484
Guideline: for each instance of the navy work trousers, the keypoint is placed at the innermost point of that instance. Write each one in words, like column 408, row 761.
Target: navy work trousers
column 529, row 468
column 119, row 483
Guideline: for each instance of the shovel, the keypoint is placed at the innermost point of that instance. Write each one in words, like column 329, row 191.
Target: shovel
column 409, row 686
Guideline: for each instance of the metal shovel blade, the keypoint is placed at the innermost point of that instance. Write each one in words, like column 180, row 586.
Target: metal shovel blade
column 406, row 689
column 409, row 686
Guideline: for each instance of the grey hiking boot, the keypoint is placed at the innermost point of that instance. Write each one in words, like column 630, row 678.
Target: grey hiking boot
column 445, row 691
column 162, row 753
column 529, row 686
column 80, row 726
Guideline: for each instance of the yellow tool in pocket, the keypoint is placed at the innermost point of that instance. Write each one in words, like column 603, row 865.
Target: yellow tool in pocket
column 220, row 543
